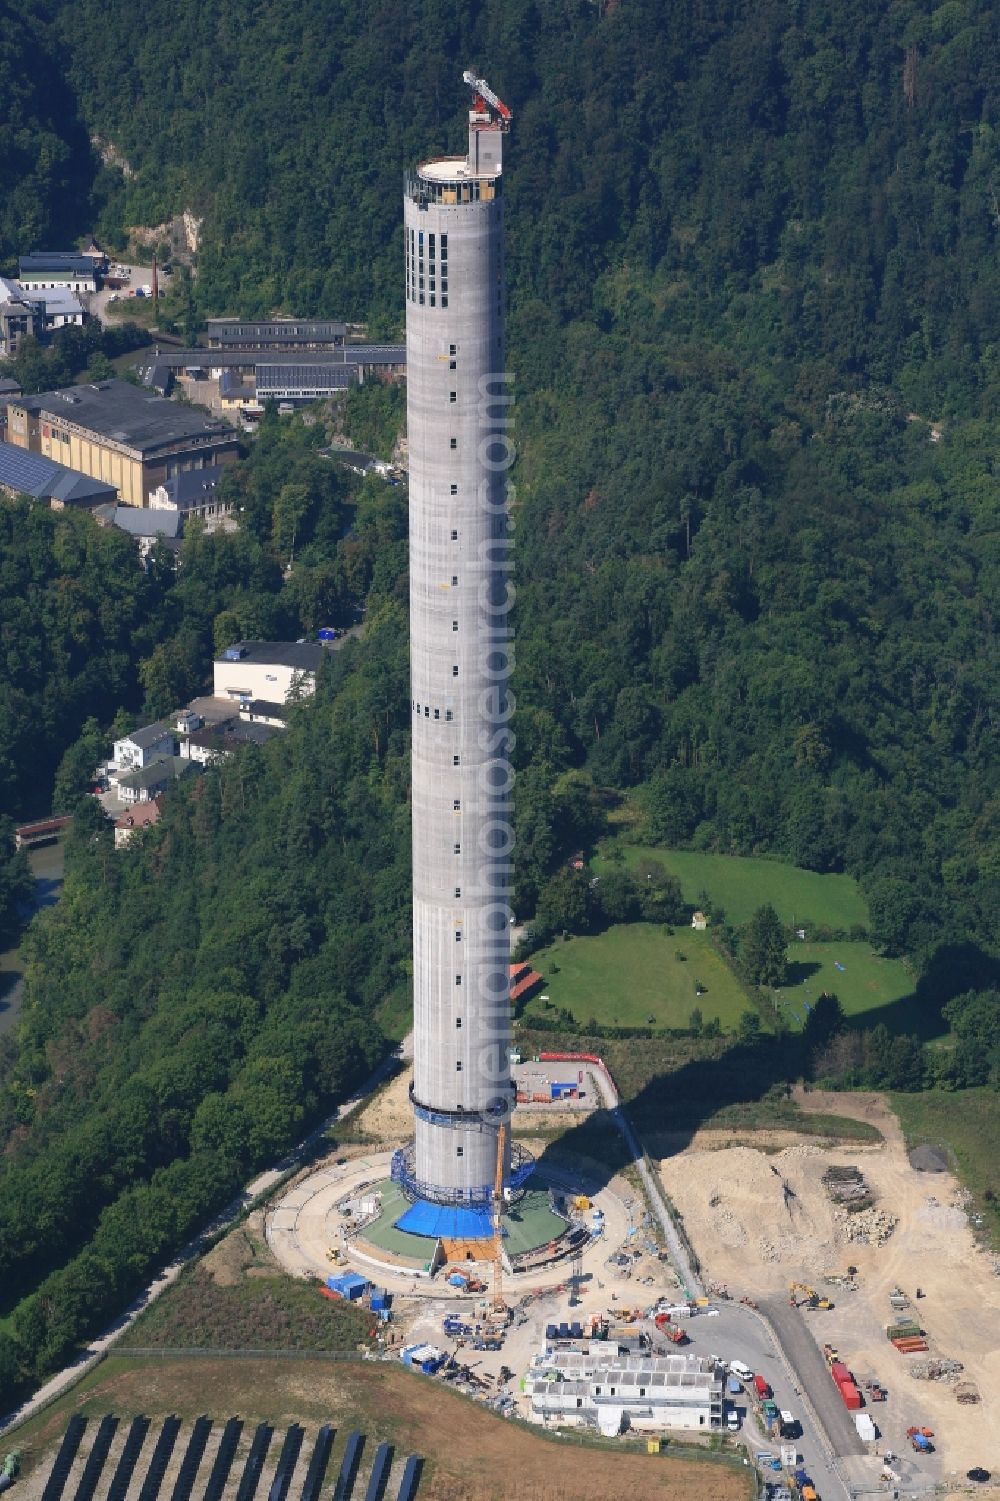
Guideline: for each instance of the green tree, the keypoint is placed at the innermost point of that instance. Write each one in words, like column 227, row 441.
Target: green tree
column 762, row 948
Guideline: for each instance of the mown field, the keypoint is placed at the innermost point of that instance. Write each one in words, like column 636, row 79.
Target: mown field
column 862, row 981
column 802, row 898
column 637, row 975
column 967, row 1123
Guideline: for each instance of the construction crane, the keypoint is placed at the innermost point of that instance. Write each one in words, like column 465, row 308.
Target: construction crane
column 499, row 1306
column 486, row 99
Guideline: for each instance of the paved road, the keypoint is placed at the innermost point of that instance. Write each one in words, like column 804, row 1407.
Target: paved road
column 654, row 1190
column 799, row 1344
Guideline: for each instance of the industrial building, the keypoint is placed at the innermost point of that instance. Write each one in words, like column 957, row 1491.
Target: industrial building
column 277, row 333
column 611, row 1392
column 121, row 434
column 271, row 670
column 31, row 474
column 303, row 382
column 381, row 361
column 21, row 317
column 462, row 1091
column 67, row 269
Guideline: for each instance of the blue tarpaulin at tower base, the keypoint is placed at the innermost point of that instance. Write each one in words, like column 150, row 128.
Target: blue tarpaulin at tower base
column 446, row 1221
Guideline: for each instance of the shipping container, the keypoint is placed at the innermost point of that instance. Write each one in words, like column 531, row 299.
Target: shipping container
column 761, row 1387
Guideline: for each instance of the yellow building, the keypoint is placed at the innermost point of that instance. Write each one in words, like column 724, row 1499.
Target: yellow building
column 121, row 434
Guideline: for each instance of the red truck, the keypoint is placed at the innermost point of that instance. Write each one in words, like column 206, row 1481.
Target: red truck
column 761, row 1387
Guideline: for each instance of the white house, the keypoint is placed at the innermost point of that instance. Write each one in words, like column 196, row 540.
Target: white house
column 142, row 747
column 195, row 493
column 612, row 1392
column 699, row 922
column 271, row 670
column 145, row 784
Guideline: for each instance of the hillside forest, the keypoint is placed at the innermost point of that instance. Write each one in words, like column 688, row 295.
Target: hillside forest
column 753, row 321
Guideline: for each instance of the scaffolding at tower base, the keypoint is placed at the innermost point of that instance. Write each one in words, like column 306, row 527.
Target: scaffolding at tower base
column 403, row 1172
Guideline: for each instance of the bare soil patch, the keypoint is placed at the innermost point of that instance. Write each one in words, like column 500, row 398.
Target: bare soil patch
column 760, row 1220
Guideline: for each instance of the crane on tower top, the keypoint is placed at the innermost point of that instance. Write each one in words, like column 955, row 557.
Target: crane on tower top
column 486, row 102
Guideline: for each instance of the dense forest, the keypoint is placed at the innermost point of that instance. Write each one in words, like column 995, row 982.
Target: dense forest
column 754, row 324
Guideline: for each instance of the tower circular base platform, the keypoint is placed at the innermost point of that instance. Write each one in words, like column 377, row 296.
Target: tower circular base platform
column 414, row 1232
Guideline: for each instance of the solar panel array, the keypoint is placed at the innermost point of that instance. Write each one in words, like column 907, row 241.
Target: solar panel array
column 97, row 1458
column 122, row 1477
column 162, row 1453
column 59, row 1474
column 255, row 1462
column 380, row 1473
column 223, row 1460
column 184, row 1484
column 194, row 1460
column 349, row 1466
column 287, row 1460
column 318, row 1463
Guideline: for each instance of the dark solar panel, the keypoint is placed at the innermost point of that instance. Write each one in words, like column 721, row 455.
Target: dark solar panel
column 287, row 1460
column 134, row 1441
column 63, row 1462
column 411, row 1478
column 97, row 1458
column 30, row 472
column 162, row 1451
column 318, row 1463
column 255, row 1462
column 188, row 1472
column 380, row 1473
column 349, row 1467
column 223, row 1460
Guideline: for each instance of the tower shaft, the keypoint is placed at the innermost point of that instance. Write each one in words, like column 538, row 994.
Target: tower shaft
column 459, row 572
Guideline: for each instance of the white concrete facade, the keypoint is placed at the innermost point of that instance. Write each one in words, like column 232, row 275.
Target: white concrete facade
column 613, row 1392
column 143, row 747
column 453, row 229
column 258, row 676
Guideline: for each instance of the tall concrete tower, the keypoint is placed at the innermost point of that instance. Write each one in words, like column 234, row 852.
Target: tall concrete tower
column 457, row 417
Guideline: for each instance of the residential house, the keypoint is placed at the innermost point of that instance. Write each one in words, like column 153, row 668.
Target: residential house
column 145, row 525
column 142, row 747
column 139, row 817
column 195, row 493
column 154, row 778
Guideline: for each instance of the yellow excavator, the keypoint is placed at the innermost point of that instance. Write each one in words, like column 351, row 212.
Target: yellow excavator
column 810, row 1297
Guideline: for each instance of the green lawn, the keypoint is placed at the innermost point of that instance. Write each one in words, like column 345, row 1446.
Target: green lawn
column 800, row 897
column 865, row 984
column 625, row 975
column 967, row 1123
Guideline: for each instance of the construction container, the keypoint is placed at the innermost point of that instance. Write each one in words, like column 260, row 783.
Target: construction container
column 839, row 1372
column 380, row 1299
column 761, row 1387
column 866, row 1427
column 907, row 1330
column 348, row 1285
column 652, row 1446
column 850, row 1395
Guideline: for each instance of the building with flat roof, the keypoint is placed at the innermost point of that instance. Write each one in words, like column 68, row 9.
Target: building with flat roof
column 303, row 382
column 271, row 670
column 21, row 317
column 58, row 268
column 61, row 306
column 276, row 333
column 613, row 1392
column 30, row 474
column 122, row 434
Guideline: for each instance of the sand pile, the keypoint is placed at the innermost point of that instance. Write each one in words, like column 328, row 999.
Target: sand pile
column 773, row 1208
